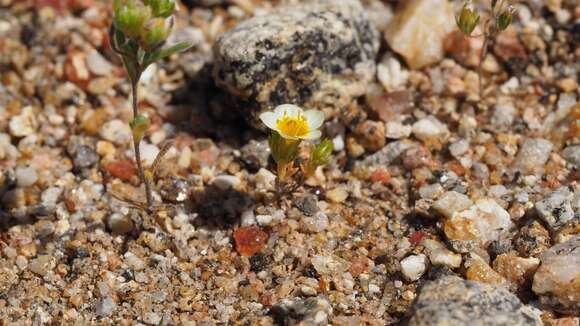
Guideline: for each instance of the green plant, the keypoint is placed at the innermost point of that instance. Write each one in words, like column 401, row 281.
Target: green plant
column 291, row 125
column 138, row 34
column 500, row 17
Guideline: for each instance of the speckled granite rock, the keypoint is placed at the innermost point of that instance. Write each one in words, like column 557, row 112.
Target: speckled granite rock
column 557, row 281
column 319, row 52
column 309, row 312
column 452, row 301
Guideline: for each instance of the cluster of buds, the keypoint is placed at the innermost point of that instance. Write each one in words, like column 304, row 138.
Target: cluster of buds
column 291, row 125
column 469, row 18
column 138, row 34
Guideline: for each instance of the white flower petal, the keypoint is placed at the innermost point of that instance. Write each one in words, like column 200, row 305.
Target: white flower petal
column 288, row 109
column 315, row 118
column 312, row 135
column 269, row 119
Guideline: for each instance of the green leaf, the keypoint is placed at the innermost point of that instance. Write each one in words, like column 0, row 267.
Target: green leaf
column 165, row 52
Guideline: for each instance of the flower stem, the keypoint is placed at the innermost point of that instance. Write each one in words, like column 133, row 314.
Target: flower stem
column 480, row 65
column 144, row 179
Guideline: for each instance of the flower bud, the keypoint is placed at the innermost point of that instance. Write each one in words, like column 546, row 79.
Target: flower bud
column 467, row 19
column 130, row 17
column 161, row 8
column 139, row 126
column 504, row 19
column 155, row 33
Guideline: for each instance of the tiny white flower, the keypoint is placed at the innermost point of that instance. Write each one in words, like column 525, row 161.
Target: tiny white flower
column 293, row 123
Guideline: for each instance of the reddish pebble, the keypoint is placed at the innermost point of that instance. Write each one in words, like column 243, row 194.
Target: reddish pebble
column 249, row 240
column 417, row 237
column 508, row 46
column 358, row 266
column 416, row 157
column 124, row 170
column 381, row 175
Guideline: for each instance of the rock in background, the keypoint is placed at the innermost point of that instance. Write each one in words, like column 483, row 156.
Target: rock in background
column 320, row 52
column 418, row 30
column 451, row 300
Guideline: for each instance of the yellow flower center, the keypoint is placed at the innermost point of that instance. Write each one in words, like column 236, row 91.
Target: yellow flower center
column 295, row 126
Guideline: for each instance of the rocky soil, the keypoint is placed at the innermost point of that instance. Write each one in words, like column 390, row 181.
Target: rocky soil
column 438, row 207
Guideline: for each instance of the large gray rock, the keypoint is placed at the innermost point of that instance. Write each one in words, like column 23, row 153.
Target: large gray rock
column 557, row 281
column 452, row 301
column 312, row 54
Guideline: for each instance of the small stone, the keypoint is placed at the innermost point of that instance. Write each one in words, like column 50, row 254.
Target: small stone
column 151, row 318
column 572, row 155
column 432, row 191
column 557, row 280
column 556, row 208
column 459, row 148
column 148, row 153
column 413, row 267
column 337, row 195
column 418, row 30
column 532, row 240
column 567, row 85
column 504, row 114
column 124, row 169
column 249, row 240
column 311, row 311
column 416, row 157
column 225, row 182
column 248, row 218
column 391, row 74
column 430, row 129
column 371, row 135
column 116, row 131
column 307, row 204
column 397, row 130
column 385, row 156
column 134, row 262
column 317, row 223
column 98, row 65
column 329, row 265
column 264, row 219
column 85, row 157
column 484, row 222
column 26, row 176
column 42, row 265
column 439, row 255
column 255, row 154
column 516, row 269
column 391, row 105
column 452, row 202
column 105, row 307
column 532, row 157
column 265, row 179
column 24, row 124
column 451, row 300
column 478, row 270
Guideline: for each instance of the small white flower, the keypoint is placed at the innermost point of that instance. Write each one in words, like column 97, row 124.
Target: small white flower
column 293, row 123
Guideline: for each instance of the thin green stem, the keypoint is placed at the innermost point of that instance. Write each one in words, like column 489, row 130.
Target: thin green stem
column 142, row 176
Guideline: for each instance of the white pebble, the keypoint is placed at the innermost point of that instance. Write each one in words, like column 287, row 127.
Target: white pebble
column 413, row 267
column 225, row 181
column 26, row 176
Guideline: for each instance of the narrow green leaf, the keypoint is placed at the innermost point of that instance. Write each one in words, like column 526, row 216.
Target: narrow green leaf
column 165, row 52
